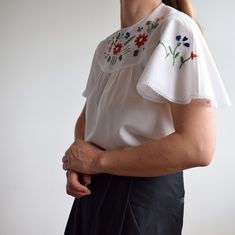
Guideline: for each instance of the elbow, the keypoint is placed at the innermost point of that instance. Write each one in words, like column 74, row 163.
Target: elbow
column 203, row 155
column 204, row 159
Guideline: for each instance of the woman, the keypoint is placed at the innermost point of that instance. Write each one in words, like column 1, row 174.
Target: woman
column 149, row 115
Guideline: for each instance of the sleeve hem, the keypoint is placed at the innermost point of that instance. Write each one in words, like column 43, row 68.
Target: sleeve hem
column 157, row 95
column 85, row 93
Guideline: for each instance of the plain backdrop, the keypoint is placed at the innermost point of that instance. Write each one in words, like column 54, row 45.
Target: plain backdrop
column 46, row 47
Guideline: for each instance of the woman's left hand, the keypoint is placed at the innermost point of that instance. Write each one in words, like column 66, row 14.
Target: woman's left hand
column 82, row 157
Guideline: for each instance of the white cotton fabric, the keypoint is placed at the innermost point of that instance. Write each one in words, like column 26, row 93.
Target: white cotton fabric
column 138, row 70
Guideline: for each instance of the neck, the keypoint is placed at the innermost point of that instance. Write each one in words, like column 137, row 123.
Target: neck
column 134, row 10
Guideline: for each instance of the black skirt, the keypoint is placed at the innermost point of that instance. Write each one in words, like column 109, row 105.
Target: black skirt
column 124, row 205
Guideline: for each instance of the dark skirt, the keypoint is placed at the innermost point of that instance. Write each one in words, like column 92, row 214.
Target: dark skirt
column 124, row 205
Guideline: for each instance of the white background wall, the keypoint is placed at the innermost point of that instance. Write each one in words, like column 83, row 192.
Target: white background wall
column 46, row 47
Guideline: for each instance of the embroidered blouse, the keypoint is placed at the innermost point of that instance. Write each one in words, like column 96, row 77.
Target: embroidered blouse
column 137, row 70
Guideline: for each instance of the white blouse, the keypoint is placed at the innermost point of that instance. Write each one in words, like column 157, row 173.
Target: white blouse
column 137, row 70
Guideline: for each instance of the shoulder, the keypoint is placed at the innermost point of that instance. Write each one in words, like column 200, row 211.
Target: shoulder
column 176, row 20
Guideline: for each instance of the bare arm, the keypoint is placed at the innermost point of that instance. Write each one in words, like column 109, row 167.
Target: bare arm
column 75, row 180
column 80, row 125
column 191, row 145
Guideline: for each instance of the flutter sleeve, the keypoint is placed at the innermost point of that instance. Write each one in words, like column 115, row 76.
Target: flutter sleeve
column 180, row 67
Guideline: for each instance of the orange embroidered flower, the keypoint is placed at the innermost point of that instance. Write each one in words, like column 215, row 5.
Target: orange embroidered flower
column 117, row 48
column 141, row 39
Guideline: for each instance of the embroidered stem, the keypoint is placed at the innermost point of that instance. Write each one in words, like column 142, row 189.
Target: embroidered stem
column 184, row 60
column 170, row 50
column 175, row 54
column 167, row 53
column 126, row 50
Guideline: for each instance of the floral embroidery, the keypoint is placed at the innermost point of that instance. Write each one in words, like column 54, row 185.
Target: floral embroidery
column 184, row 40
column 139, row 29
column 153, row 25
column 181, row 41
column 117, row 48
column 141, row 39
column 119, row 45
column 193, row 56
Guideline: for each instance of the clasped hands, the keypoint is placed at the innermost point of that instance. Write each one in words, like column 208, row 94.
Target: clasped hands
column 81, row 160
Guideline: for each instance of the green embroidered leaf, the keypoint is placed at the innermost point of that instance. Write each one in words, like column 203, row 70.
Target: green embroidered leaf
column 113, row 60
column 155, row 25
column 150, row 28
column 182, row 59
column 158, row 43
column 176, row 55
column 136, row 52
column 170, row 50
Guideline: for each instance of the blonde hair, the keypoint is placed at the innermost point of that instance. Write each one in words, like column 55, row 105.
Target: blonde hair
column 181, row 5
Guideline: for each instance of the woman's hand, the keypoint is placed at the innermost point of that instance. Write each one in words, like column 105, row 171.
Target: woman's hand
column 74, row 187
column 82, row 157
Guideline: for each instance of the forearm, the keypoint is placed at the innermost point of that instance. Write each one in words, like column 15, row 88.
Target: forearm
column 170, row 154
column 79, row 131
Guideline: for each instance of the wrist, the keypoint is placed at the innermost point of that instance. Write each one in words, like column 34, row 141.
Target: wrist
column 106, row 160
column 100, row 164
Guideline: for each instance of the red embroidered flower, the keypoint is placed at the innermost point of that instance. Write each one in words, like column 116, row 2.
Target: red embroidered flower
column 193, row 56
column 117, row 48
column 141, row 39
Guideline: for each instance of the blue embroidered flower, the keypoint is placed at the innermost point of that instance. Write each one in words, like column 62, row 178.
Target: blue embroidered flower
column 184, row 40
column 178, row 38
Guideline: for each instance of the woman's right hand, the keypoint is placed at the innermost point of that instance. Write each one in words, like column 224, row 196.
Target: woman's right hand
column 74, row 187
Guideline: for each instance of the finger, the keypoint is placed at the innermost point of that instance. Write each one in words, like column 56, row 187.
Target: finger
column 66, row 166
column 70, row 189
column 74, row 183
column 86, row 179
column 75, row 193
column 65, row 158
column 68, row 151
column 73, row 150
